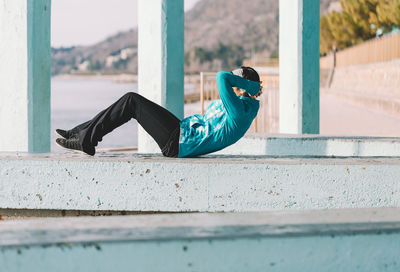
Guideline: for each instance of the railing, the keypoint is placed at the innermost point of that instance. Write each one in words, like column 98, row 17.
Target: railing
column 376, row 50
column 267, row 120
column 266, row 62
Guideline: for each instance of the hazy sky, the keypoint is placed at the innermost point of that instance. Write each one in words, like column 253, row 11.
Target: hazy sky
column 84, row 22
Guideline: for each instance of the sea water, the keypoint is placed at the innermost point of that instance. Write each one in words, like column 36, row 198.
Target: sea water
column 75, row 100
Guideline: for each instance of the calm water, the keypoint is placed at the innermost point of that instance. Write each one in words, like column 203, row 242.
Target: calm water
column 74, row 101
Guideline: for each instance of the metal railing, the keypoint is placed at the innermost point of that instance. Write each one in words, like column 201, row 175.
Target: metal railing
column 267, row 120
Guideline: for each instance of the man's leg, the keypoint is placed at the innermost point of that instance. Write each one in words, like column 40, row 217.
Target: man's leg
column 157, row 121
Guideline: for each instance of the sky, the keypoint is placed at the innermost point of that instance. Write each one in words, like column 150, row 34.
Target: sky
column 85, row 22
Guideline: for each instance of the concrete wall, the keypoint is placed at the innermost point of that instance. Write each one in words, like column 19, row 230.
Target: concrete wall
column 381, row 79
column 347, row 253
column 337, row 240
column 375, row 85
column 211, row 183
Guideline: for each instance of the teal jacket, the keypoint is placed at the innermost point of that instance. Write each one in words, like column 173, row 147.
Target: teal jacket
column 225, row 121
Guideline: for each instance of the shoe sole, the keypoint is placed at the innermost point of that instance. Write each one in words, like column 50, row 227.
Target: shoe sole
column 58, row 134
column 72, row 150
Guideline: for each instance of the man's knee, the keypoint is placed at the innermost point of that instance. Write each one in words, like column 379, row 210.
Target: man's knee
column 131, row 95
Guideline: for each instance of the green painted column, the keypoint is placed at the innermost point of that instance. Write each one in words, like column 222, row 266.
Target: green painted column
column 25, row 75
column 299, row 66
column 161, row 59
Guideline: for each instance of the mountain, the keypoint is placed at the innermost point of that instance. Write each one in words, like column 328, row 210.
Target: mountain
column 66, row 59
column 218, row 34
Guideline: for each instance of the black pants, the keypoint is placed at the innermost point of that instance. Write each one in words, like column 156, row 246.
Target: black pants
column 161, row 124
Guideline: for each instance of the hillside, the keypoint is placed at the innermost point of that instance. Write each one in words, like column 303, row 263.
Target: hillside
column 95, row 56
column 218, row 34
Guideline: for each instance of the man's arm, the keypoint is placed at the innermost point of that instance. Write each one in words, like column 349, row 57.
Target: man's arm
column 225, row 83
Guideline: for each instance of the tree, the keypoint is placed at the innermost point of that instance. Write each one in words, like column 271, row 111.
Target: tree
column 94, row 65
column 388, row 14
column 359, row 20
column 230, row 56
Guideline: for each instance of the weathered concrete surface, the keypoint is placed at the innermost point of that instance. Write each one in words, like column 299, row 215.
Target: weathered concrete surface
column 333, row 240
column 212, row 183
column 309, row 145
column 197, row 225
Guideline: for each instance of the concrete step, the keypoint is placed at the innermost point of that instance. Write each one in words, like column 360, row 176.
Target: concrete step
column 139, row 182
column 330, row 240
column 314, row 145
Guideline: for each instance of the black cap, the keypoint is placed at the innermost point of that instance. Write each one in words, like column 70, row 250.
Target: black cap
column 247, row 73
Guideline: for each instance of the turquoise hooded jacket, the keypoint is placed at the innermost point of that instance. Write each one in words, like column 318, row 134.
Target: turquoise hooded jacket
column 225, row 121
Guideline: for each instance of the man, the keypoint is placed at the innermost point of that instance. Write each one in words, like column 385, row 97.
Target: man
column 224, row 123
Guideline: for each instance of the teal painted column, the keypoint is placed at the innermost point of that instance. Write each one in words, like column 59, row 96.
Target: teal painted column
column 25, row 75
column 161, row 59
column 299, row 66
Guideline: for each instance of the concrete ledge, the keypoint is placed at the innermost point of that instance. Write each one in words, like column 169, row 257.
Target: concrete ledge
column 212, row 183
column 198, row 226
column 334, row 240
column 309, row 145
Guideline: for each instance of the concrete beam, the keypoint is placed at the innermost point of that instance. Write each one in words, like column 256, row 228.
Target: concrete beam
column 299, row 66
column 333, row 240
column 317, row 146
column 211, row 183
column 25, row 75
column 161, row 59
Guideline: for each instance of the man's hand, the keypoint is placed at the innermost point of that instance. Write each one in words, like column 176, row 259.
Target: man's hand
column 260, row 91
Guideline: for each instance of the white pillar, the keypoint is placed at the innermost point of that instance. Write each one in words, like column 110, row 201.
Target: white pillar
column 161, row 59
column 299, row 66
column 25, row 75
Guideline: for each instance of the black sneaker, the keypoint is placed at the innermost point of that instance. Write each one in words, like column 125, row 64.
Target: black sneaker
column 65, row 134
column 74, row 144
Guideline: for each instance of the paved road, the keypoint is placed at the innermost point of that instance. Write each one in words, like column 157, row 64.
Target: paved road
column 341, row 118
